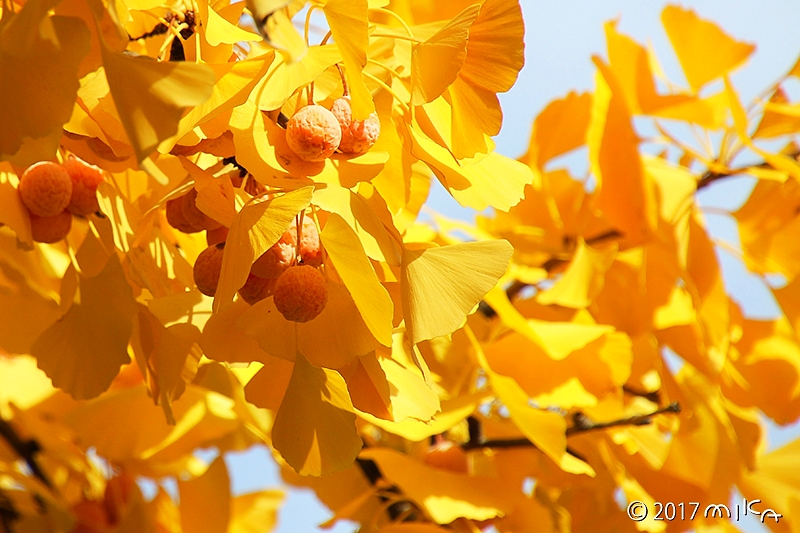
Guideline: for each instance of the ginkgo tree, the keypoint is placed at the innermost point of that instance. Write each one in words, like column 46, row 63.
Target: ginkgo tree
column 254, row 272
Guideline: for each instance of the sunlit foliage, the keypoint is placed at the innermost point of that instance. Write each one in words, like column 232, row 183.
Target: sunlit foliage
column 574, row 350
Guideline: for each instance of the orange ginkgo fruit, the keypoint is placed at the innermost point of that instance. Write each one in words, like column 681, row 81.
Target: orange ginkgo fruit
column 358, row 136
column 216, row 236
column 45, row 188
column 309, row 251
column 447, row 455
column 300, row 293
column 277, row 258
column 50, row 229
column 85, row 179
column 176, row 218
column 313, row 133
column 256, row 289
column 207, row 269
column 193, row 215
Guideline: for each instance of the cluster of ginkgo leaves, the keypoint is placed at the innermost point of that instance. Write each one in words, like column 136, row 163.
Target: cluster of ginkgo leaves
column 510, row 374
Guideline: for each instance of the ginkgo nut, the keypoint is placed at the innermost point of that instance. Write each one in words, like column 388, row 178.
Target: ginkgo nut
column 176, row 218
column 358, row 136
column 310, row 249
column 51, row 229
column 276, row 259
column 301, row 293
column 216, row 236
column 256, row 289
column 85, row 179
column 313, row 133
column 45, row 189
column 207, row 269
column 193, row 215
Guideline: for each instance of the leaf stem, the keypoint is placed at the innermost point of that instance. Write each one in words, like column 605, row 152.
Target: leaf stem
column 396, row 17
column 388, row 89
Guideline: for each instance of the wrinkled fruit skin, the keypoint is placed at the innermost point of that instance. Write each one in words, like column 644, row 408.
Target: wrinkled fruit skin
column 207, row 269
column 301, row 293
column 50, row 229
column 256, row 289
column 85, row 179
column 46, row 188
column 358, row 136
column 313, row 133
column 278, row 258
column 310, row 249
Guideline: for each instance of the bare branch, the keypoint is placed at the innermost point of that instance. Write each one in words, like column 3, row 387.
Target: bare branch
column 582, row 424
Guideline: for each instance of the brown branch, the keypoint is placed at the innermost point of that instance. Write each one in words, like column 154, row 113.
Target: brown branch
column 654, row 396
column 582, row 424
column 26, row 449
column 710, row 177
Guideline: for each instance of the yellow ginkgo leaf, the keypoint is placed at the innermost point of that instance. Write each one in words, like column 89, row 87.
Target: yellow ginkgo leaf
column 435, row 63
column 267, row 388
column 84, row 365
column 625, row 193
column 255, row 228
column 452, row 412
column 331, row 340
column 14, row 213
column 545, row 429
column 275, row 25
column 583, row 279
column 559, row 128
column 495, row 51
column 215, row 196
column 32, row 44
column 474, row 182
column 376, row 237
column 440, row 286
column 205, row 500
column 631, row 65
column 353, row 266
column 284, row 76
column 349, row 24
column 315, row 429
column 219, row 30
column 704, row 50
column 495, row 55
column 446, row 496
column 234, row 83
column 169, row 355
column 151, row 96
column 222, row 340
column 255, row 512
column 386, row 389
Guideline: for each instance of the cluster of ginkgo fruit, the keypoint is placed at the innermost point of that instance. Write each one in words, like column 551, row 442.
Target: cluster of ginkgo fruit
column 288, row 271
column 52, row 193
column 314, row 133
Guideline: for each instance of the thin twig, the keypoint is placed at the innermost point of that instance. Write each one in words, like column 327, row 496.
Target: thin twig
column 582, row 424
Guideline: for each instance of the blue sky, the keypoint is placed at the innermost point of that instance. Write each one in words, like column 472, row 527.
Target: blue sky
column 561, row 37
